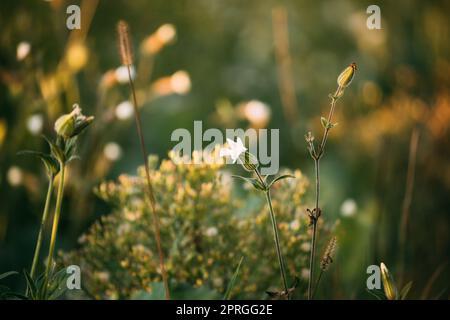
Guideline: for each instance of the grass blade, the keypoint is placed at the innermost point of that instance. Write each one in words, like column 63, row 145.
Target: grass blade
column 233, row 281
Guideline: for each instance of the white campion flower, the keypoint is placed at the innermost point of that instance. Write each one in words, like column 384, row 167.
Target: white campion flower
column 234, row 150
column 121, row 74
column 23, row 49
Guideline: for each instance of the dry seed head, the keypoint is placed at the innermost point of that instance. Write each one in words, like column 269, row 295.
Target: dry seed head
column 328, row 255
column 126, row 53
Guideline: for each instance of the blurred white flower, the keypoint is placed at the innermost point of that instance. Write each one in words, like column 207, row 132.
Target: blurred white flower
column 211, row 232
column 35, row 123
column 295, row 225
column 348, row 208
column 166, row 33
column 180, row 82
column 305, row 273
column 257, row 113
column 14, row 176
column 23, row 49
column 234, row 150
column 121, row 74
column 112, row 151
column 305, row 246
column 124, row 110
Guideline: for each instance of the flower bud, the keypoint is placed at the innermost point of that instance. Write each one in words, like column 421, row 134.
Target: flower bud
column 388, row 284
column 65, row 125
column 72, row 124
column 346, row 76
column 248, row 161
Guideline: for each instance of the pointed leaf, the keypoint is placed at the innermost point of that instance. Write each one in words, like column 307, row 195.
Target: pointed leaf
column 7, row 274
column 404, row 292
column 324, row 122
column 284, row 176
column 50, row 163
column 56, row 151
column 256, row 183
column 30, row 285
column 233, row 281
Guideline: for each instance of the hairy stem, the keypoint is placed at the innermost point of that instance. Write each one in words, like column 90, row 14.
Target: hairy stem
column 149, row 189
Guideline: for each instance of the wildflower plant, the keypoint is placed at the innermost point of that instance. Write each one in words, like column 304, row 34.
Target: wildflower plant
column 249, row 162
column 51, row 283
column 316, row 152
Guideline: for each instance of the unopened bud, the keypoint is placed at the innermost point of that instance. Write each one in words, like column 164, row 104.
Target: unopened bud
column 346, row 76
column 248, row 161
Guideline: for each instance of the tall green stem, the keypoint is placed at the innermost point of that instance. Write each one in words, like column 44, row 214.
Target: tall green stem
column 55, row 221
column 275, row 235
column 37, row 250
column 317, row 212
column 277, row 242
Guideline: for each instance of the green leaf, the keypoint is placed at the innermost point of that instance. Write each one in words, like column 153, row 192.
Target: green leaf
column 284, row 176
column 255, row 182
column 57, row 285
column 324, row 122
column 404, row 292
column 50, row 163
column 377, row 294
column 31, row 286
column 7, row 274
column 233, row 281
column 56, row 151
column 70, row 147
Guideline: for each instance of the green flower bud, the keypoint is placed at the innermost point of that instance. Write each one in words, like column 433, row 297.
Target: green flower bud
column 248, row 161
column 65, row 125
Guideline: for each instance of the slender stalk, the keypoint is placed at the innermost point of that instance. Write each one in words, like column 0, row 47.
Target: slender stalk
column 407, row 200
column 150, row 193
column 56, row 219
column 317, row 283
column 277, row 242
column 317, row 212
column 37, row 250
column 275, row 236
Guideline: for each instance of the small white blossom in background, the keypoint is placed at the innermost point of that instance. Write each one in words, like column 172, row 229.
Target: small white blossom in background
column 121, row 74
column 305, row 273
column 14, row 176
column 23, row 49
column 256, row 112
column 348, row 208
column 166, row 33
column 211, row 232
column 234, row 149
column 35, row 123
column 180, row 82
column 305, row 246
column 295, row 225
column 124, row 110
column 112, row 151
